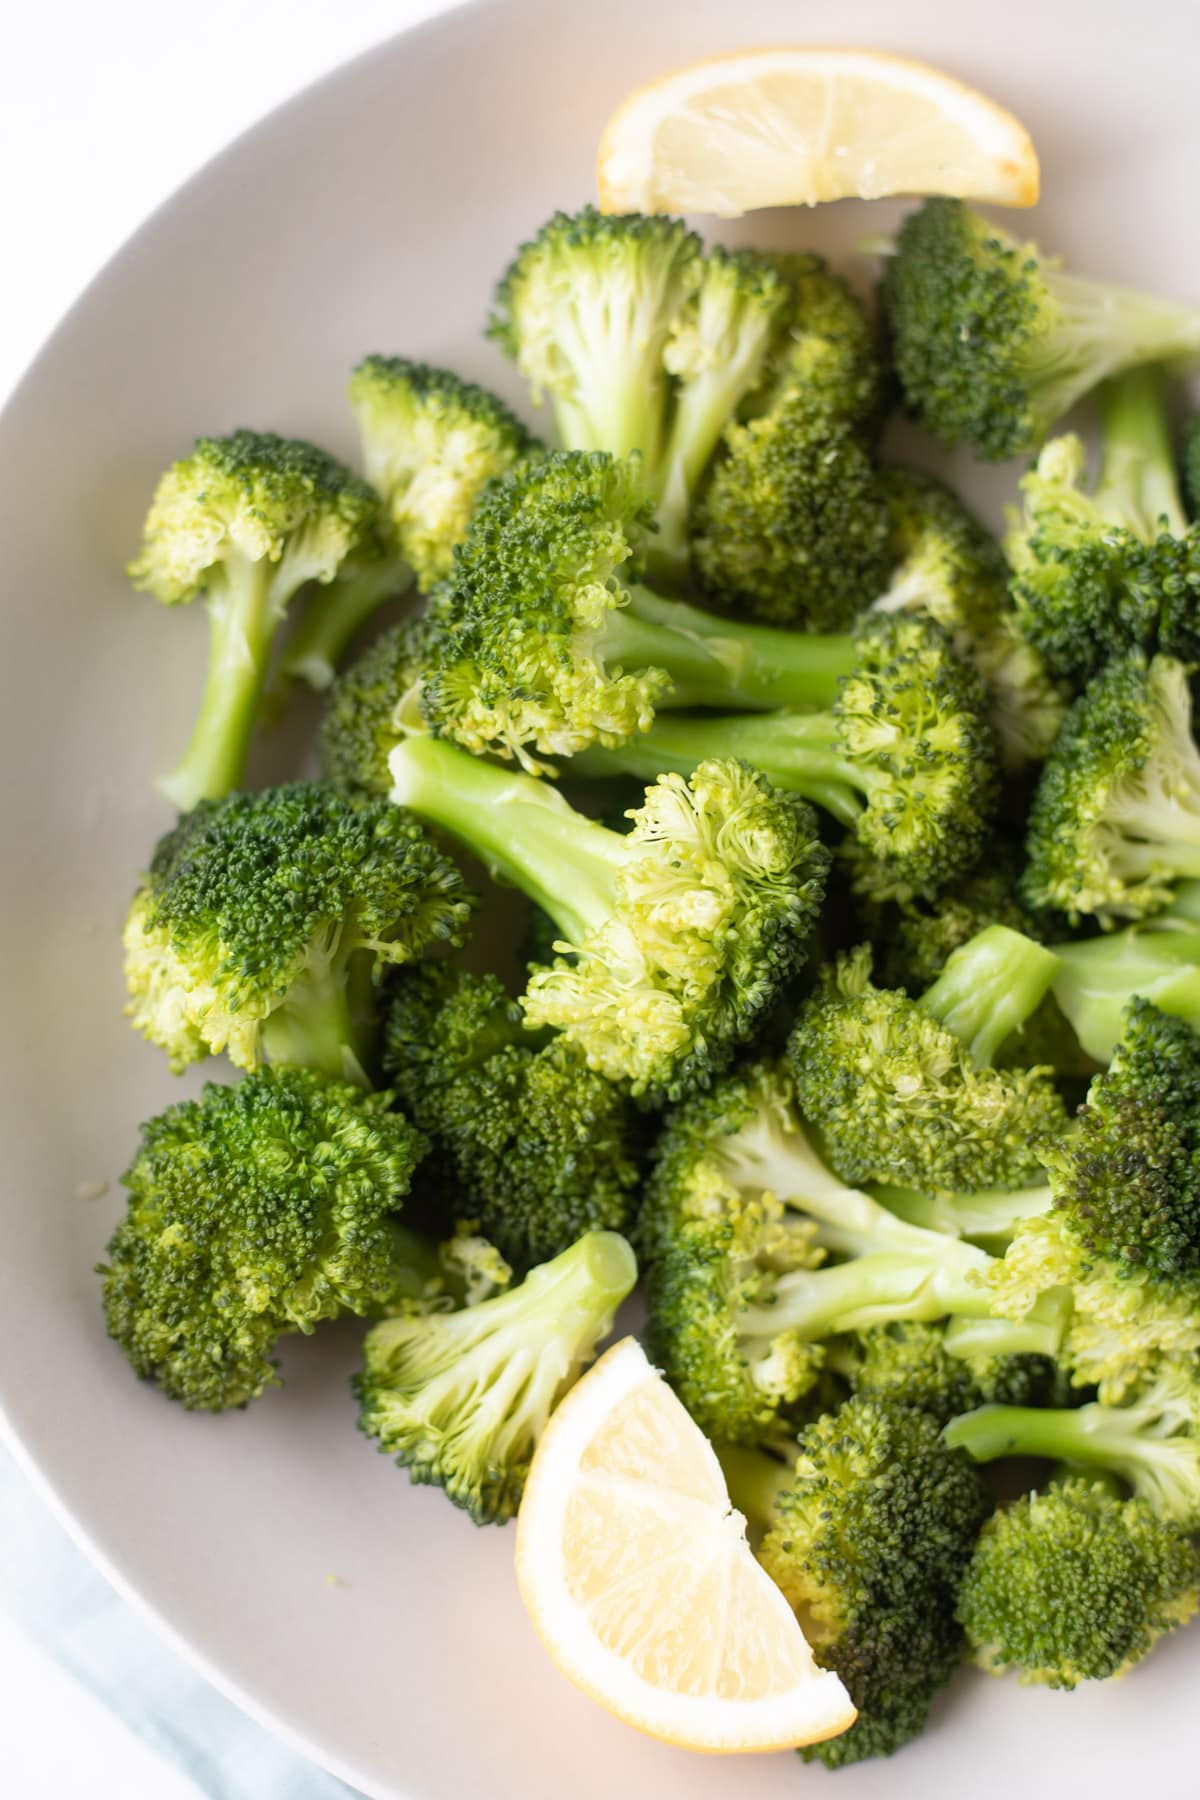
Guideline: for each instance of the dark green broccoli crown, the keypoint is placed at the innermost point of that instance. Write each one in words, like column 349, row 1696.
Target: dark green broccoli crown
column 254, row 1211
column 545, row 559
column 946, row 563
column 1128, row 1182
column 359, row 730
column 898, row 1098
column 792, row 526
column 966, row 304
column 911, row 720
column 461, row 1399
column 870, row 1541
column 907, row 1362
column 252, row 895
column 1115, row 821
column 538, row 1147
column 255, row 495
column 1075, row 1584
column 431, row 443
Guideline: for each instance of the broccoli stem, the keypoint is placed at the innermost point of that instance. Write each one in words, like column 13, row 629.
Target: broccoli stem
column 521, row 828
column 334, row 615
column 1138, row 487
column 1099, row 331
column 992, row 1217
column 242, row 619
column 877, row 1289
column 1039, row 1333
column 1092, row 1436
column 1097, row 978
column 989, row 988
column 796, row 751
column 320, row 1026
column 713, row 662
column 755, row 1482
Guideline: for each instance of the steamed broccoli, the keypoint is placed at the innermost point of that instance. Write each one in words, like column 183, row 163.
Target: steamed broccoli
column 538, row 1148
column 948, row 568
column 246, row 520
column 460, row 1399
column 1115, row 821
column 910, row 1363
column 362, row 724
column 1150, row 1441
column 1075, row 1584
column 264, row 917
column 545, row 637
column 256, row 1210
column 1096, row 575
column 1097, row 977
column 993, row 343
column 740, row 1212
column 868, row 1542
column 431, row 443
column 1124, row 1228
column 676, row 939
column 903, row 1091
column 902, row 755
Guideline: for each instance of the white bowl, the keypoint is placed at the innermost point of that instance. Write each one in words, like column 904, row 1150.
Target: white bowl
column 374, row 213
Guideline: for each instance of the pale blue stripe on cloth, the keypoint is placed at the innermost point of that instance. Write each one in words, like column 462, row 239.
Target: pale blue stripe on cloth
column 50, row 1589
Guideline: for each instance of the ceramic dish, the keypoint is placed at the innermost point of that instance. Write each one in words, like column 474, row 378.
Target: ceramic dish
column 374, row 213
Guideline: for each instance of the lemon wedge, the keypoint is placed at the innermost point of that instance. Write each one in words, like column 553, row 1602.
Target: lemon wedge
column 791, row 127
column 636, row 1573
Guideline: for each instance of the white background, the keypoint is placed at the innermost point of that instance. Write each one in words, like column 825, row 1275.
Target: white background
column 105, row 107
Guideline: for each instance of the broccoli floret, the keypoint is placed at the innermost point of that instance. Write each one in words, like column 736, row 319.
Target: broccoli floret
column 246, row 520
column 915, row 940
column 947, row 567
column 868, row 1542
column 254, row 1211
column 264, row 918
column 361, row 725
column 909, row 1363
column 1115, row 821
column 739, row 1213
column 1150, row 1441
column 460, row 1399
column 1096, row 575
column 586, row 310
column 993, row 343
column 431, row 443
column 902, row 1090
column 903, row 755
column 539, row 1149
column 1075, row 1584
column 1124, row 1228
column 1097, row 978
column 676, row 938
column 545, row 637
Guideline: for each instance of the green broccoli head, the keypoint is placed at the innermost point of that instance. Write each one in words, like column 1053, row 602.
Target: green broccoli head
column 908, row 1363
column 255, row 1211
column 1124, row 1229
column 431, row 443
column 1115, row 821
column 915, row 940
column 792, row 526
column 247, row 520
column 869, row 1542
column 1075, row 1584
column 676, row 938
column 361, row 725
column 461, row 1399
column 586, row 310
column 897, row 1086
column 260, row 912
column 539, row 1150
column 948, row 568
column 831, row 347
column 993, row 344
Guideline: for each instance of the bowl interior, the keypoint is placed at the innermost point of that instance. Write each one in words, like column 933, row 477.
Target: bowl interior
column 374, row 213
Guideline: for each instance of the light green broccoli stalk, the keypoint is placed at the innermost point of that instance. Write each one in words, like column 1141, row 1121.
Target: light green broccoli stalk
column 676, row 938
column 247, row 521
column 993, row 342
column 255, row 1211
column 264, row 919
column 461, row 1399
